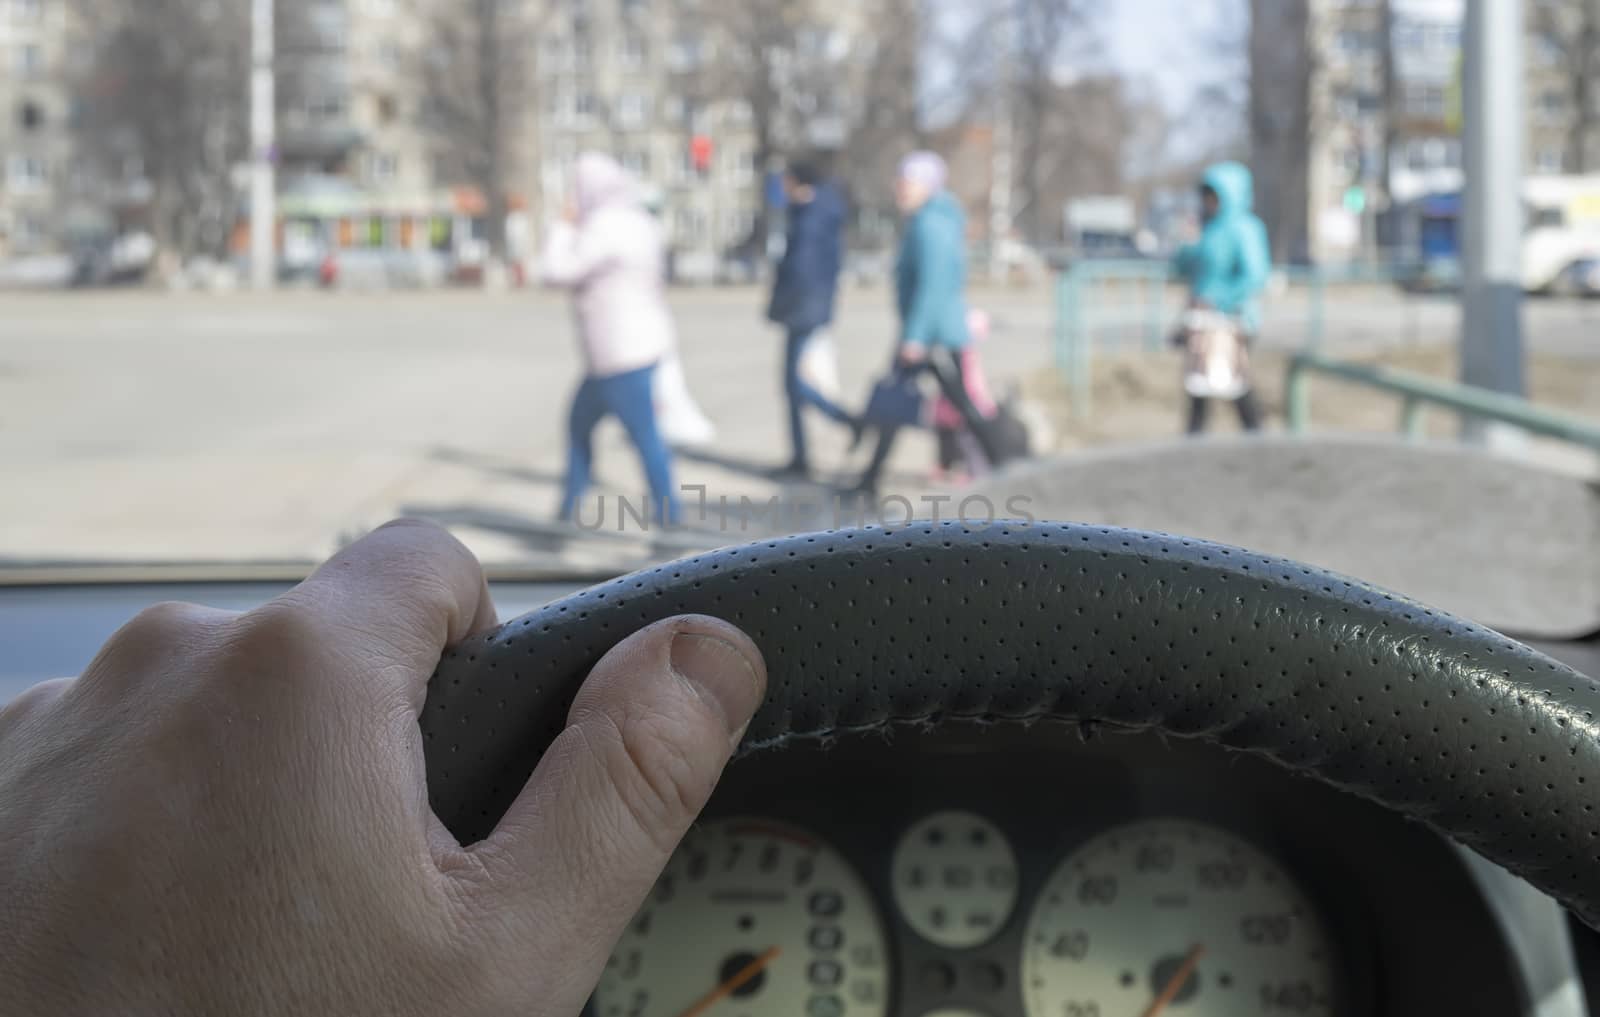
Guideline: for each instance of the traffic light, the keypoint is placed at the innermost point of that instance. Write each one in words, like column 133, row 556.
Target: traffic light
column 700, row 153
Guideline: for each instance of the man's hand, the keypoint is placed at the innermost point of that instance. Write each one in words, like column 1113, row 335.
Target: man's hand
column 912, row 354
column 226, row 814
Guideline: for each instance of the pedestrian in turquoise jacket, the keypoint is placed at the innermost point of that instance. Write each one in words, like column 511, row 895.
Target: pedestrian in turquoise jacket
column 930, row 280
column 930, row 276
column 1228, row 267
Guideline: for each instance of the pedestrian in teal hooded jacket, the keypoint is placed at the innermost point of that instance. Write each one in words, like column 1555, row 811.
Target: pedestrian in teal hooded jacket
column 1228, row 267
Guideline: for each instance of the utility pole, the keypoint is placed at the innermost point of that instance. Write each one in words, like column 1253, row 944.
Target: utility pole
column 1492, row 144
column 1002, row 159
column 263, row 149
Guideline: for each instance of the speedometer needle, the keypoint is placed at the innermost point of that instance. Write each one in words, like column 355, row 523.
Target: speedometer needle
column 1175, row 984
column 732, row 984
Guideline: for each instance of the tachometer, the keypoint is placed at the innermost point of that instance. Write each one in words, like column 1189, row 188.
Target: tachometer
column 1177, row 918
column 750, row 918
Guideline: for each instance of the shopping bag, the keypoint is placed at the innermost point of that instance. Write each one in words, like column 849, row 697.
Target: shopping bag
column 1216, row 361
column 819, row 364
column 680, row 419
column 896, row 401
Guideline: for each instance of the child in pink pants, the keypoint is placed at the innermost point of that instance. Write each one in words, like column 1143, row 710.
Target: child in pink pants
column 960, row 456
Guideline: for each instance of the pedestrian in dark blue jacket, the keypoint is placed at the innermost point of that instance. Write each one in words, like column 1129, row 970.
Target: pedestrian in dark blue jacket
column 803, row 295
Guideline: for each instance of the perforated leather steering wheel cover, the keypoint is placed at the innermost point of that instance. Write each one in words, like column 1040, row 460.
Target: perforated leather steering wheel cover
column 1438, row 719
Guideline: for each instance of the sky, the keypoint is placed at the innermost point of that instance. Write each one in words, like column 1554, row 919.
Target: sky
column 1175, row 45
column 1167, row 42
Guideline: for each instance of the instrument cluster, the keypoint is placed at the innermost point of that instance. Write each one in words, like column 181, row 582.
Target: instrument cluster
column 985, row 877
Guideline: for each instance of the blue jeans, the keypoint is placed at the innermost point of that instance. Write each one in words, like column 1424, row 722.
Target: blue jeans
column 628, row 396
column 801, row 395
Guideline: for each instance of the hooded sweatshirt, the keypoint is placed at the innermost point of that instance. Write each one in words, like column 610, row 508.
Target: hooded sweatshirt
column 931, row 274
column 807, row 282
column 1229, row 266
column 613, row 260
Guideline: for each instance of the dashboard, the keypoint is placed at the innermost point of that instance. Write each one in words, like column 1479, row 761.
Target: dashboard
column 988, row 873
column 938, row 856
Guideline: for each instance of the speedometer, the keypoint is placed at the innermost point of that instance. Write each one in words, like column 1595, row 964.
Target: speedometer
column 750, row 918
column 1176, row 918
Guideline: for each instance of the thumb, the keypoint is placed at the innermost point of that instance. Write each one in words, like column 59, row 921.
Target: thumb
column 646, row 741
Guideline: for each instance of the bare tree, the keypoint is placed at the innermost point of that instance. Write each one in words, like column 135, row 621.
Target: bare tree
column 890, row 124
column 795, row 63
column 163, row 113
column 1042, row 32
column 1006, row 64
column 479, row 79
column 1572, row 32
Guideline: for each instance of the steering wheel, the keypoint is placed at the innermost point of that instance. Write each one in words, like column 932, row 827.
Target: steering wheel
column 1488, row 741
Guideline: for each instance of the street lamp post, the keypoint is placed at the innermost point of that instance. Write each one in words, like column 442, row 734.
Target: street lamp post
column 1492, row 150
column 263, row 193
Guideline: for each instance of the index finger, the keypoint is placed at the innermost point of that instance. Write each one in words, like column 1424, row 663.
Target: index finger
column 396, row 598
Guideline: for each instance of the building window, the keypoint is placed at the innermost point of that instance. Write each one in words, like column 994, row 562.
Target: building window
column 1432, row 154
column 686, row 53
column 582, row 52
column 739, row 112
column 1547, row 50
column 388, row 108
column 556, row 56
column 325, row 108
column 388, row 55
column 1551, row 106
column 27, row 173
column 686, row 172
column 584, row 107
column 1353, row 42
column 636, row 161
column 1427, row 101
column 27, row 10
column 382, row 167
column 632, row 51
column 740, row 165
column 690, row 225
column 633, row 109
column 736, row 225
column 1547, row 160
column 380, row 8
column 30, row 115
column 28, row 232
column 672, row 109
column 27, row 60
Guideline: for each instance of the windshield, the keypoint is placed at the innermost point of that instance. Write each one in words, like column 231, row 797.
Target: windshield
column 598, row 283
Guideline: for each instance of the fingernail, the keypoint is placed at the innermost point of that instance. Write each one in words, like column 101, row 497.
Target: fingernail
column 720, row 673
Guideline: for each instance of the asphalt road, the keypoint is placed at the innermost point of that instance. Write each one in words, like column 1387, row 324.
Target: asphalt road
column 156, row 427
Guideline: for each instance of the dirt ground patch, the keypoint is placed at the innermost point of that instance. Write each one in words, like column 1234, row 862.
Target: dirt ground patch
column 1137, row 396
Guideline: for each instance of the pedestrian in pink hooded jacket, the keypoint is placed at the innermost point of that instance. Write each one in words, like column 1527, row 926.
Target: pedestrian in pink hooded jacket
column 609, row 252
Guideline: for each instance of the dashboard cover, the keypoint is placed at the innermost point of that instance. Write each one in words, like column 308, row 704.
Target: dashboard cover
column 869, row 630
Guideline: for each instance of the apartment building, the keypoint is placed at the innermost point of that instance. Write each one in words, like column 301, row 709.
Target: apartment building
column 1350, row 123
column 36, row 186
column 623, row 76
